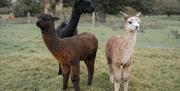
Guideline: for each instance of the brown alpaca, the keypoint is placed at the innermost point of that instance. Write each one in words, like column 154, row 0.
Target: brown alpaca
column 68, row 51
column 119, row 52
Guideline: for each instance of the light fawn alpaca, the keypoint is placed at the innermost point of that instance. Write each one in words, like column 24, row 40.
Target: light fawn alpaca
column 119, row 52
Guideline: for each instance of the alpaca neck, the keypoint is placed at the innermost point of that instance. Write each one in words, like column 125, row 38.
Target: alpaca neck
column 72, row 25
column 51, row 40
column 130, row 38
column 128, row 46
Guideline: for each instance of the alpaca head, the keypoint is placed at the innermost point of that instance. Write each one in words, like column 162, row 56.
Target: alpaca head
column 45, row 22
column 132, row 23
column 84, row 6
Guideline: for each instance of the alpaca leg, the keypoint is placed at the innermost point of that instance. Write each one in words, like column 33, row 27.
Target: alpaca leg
column 116, row 85
column 75, row 76
column 111, row 77
column 90, row 68
column 60, row 71
column 117, row 76
column 65, row 74
column 126, row 84
column 125, row 76
column 111, row 71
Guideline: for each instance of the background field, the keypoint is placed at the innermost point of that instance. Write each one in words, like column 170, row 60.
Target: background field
column 27, row 65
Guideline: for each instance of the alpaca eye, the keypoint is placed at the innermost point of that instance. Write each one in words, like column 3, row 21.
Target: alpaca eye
column 129, row 22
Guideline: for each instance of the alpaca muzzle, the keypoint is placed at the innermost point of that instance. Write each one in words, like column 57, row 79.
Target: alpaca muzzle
column 91, row 10
column 38, row 24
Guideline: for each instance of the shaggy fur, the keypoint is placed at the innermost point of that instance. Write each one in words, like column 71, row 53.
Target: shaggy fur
column 119, row 52
column 68, row 51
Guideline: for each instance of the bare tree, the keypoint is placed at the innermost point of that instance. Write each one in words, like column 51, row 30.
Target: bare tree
column 47, row 5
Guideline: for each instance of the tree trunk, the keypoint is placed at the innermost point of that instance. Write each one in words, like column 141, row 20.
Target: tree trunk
column 59, row 7
column 46, row 6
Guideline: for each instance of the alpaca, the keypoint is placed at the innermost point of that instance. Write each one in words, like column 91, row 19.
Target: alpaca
column 69, row 51
column 119, row 52
column 69, row 29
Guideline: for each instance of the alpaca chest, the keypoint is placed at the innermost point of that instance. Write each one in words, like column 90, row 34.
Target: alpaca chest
column 126, row 56
column 128, row 50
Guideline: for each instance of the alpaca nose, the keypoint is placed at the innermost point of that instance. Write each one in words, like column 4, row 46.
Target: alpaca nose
column 93, row 8
column 37, row 23
column 136, row 27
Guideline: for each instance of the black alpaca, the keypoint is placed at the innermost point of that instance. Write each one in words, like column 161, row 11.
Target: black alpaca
column 70, row 29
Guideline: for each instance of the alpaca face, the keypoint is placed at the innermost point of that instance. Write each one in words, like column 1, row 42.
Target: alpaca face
column 84, row 6
column 133, row 24
column 45, row 22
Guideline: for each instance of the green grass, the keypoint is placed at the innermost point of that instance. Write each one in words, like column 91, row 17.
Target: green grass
column 27, row 65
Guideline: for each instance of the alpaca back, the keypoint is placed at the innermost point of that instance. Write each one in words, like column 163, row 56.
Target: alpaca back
column 114, row 48
column 84, row 44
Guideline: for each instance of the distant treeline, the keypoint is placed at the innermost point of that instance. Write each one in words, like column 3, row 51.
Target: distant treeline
column 103, row 7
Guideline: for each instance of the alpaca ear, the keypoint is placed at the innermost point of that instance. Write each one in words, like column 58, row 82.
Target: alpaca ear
column 138, row 14
column 55, row 18
column 124, row 15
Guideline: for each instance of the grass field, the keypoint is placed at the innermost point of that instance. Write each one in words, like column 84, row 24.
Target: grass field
column 27, row 65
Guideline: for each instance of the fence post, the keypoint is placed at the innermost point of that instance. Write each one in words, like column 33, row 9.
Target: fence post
column 93, row 22
column 28, row 16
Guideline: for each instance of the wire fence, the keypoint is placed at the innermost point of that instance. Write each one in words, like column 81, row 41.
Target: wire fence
column 115, row 25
